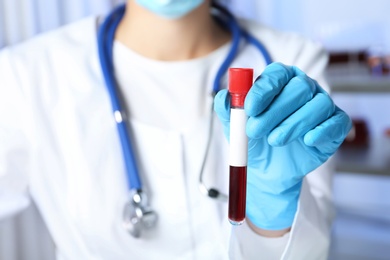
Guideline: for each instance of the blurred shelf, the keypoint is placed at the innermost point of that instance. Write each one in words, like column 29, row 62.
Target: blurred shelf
column 356, row 78
column 373, row 159
column 361, row 84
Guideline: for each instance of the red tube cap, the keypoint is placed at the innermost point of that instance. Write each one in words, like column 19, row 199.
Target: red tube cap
column 240, row 80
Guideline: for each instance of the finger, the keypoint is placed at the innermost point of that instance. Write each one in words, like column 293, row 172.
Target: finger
column 329, row 135
column 267, row 86
column 297, row 92
column 222, row 109
column 313, row 113
column 222, row 105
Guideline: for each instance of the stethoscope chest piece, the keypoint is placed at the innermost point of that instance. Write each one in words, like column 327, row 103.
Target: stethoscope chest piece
column 137, row 216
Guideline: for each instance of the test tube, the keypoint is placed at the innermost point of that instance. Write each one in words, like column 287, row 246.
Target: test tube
column 240, row 81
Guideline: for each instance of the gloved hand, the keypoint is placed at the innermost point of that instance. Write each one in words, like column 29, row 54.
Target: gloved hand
column 293, row 127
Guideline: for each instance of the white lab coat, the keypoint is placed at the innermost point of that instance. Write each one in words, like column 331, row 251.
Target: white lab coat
column 59, row 147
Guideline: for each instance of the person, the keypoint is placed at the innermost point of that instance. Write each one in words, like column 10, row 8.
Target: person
column 60, row 144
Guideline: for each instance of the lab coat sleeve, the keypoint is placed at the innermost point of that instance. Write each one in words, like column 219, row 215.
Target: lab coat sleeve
column 309, row 237
column 14, row 159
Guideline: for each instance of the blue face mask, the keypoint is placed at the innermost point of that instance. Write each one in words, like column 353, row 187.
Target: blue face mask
column 171, row 9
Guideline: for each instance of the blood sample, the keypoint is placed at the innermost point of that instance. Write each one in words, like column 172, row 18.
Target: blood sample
column 240, row 81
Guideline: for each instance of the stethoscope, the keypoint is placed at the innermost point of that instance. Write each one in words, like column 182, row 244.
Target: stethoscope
column 137, row 214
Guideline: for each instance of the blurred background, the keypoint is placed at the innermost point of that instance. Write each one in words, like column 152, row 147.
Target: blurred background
column 356, row 34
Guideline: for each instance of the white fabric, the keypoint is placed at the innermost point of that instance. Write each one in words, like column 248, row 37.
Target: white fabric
column 154, row 98
column 56, row 119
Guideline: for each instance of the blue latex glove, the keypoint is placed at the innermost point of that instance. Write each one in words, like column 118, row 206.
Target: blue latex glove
column 293, row 128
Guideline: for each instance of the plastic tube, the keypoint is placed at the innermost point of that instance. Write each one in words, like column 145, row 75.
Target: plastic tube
column 240, row 81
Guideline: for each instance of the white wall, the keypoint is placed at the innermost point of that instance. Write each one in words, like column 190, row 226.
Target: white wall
column 338, row 24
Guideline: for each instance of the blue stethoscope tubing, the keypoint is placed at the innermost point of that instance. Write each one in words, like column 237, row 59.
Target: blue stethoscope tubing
column 105, row 41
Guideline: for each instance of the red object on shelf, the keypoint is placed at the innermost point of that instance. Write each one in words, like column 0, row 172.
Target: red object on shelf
column 359, row 134
column 387, row 132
